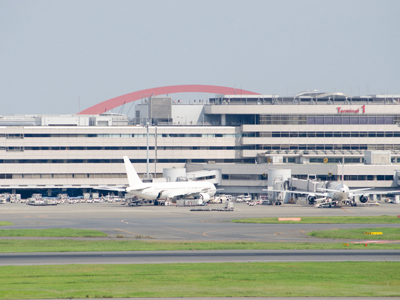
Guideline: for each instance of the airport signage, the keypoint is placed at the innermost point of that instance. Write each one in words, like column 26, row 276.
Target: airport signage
column 342, row 110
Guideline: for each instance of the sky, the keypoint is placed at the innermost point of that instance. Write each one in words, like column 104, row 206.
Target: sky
column 61, row 57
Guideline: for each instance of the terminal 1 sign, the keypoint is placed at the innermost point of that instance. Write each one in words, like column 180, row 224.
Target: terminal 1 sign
column 342, row 110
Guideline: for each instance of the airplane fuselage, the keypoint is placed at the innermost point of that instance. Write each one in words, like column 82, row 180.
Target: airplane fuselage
column 341, row 194
column 155, row 191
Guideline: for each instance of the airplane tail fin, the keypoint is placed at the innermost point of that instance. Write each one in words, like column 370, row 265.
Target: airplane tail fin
column 133, row 178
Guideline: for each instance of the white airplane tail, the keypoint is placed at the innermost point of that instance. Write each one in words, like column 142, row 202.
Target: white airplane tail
column 133, row 178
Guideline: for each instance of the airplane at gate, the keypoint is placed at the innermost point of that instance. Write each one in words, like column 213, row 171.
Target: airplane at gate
column 338, row 195
column 171, row 190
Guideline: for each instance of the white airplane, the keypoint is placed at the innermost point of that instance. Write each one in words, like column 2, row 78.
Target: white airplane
column 338, row 195
column 171, row 190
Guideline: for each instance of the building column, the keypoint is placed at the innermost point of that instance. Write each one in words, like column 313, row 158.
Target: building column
column 223, row 119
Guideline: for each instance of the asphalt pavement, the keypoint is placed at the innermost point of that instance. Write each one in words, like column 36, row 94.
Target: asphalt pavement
column 199, row 256
column 179, row 223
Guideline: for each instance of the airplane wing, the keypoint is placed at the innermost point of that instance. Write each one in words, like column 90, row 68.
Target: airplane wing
column 373, row 192
column 120, row 188
column 138, row 188
column 183, row 193
column 111, row 188
column 177, row 193
column 359, row 190
column 334, row 191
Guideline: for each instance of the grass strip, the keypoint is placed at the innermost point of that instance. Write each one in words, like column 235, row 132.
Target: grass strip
column 66, row 245
column 304, row 279
column 5, row 223
column 358, row 233
column 53, row 232
column 326, row 220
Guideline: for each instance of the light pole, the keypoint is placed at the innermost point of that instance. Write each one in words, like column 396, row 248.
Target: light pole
column 155, row 151
column 147, row 167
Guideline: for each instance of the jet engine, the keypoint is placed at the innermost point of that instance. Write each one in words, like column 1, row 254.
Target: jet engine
column 364, row 198
column 205, row 197
column 311, row 199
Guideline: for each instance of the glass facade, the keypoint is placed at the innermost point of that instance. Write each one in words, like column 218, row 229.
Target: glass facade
column 328, row 119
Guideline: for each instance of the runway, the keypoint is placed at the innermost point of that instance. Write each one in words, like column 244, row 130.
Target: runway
column 211, row 256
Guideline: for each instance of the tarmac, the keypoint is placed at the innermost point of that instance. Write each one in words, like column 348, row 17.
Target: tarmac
column 172, row 223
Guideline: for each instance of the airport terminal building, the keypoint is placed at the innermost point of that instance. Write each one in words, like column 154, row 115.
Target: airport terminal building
column 231, row 140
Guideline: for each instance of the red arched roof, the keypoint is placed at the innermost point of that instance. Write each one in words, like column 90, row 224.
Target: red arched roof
column 190, row 88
